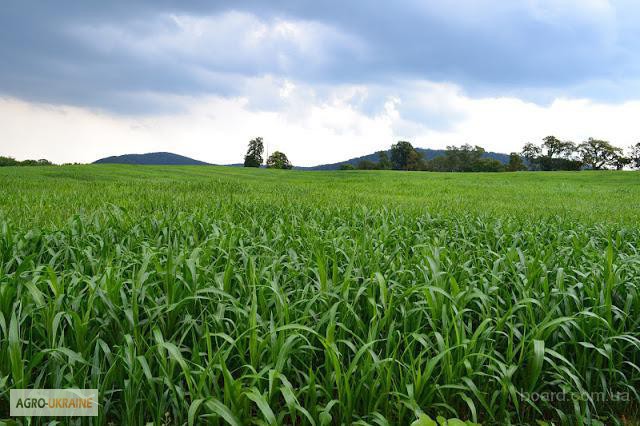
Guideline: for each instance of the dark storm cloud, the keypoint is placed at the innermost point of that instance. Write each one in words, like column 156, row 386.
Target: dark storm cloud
column 113, row 54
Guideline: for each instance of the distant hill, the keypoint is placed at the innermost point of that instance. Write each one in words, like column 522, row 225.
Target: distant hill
column 427, row 154
column 152, row 158
column 170, row 159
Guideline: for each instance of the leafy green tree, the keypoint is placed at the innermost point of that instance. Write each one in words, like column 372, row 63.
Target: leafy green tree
column 253, row 158
column 464, row 158
column 557, row 148
column 415, row 161
column 367, row 165
column 278, row 160
column 347, row 166
column 488, row 165
column 531, row 152
column 438, row 164
column 548, row 163
column 559, row 155
column 515, row 163
column 620, row 162
column 598, row 154
column 634, row 155
column 405, row 157
column 8, row 161
column 383, row 161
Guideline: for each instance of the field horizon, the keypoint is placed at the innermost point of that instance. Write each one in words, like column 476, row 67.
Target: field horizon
column 593, row 196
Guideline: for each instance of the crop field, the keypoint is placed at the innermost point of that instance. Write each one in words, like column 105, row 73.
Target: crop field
column 211, row 295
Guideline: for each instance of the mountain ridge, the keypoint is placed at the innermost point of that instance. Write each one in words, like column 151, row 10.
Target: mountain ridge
column 152, row 158
column 427, row 154
column 171, row 159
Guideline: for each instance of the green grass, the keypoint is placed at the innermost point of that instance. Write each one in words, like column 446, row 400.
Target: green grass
column 231, row 296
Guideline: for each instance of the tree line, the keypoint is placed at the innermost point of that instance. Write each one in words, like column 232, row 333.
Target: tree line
column 10, row 161
column 595, row 154
column 465, row 158
column 253, row 158
column 552, row 154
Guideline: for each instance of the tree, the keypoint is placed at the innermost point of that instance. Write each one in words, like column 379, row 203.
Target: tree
column 254, row 153
column 531, row 152
column 8, row 161
column 465, row 158
column 383, row 161
column 515, row 163
column 634, row 155
column 557, row 148
column 367, row 165
column 438, row 164
column 488, row 165
column 548, row 163
column 620, row 161
column 597, row 153
column 347, row 166
column 559, row 155
column 405, row 157
column 415, row 161
column 278, row 160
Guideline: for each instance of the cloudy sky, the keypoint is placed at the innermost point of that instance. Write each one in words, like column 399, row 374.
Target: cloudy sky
column 320, row 80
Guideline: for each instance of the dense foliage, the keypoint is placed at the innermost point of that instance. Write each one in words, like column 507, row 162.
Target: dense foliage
column 253, row 158
column 9, row 161
column 465, row 158
column 279, row 160
column 455, row 159
column 594, row 154
column 405, row 157
column 236, row 296
column 552, row 155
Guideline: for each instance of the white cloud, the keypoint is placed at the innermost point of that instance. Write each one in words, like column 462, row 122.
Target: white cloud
column 505, row 124
column 311, row 128
column 212, row 129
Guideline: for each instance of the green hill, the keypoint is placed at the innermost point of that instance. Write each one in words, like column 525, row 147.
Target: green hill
column 152, row 158
column 427, row 154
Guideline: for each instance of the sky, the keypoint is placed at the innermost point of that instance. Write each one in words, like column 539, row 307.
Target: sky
column 322, row 81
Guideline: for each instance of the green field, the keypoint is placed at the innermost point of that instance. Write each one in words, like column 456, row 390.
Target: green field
column 230, row 296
